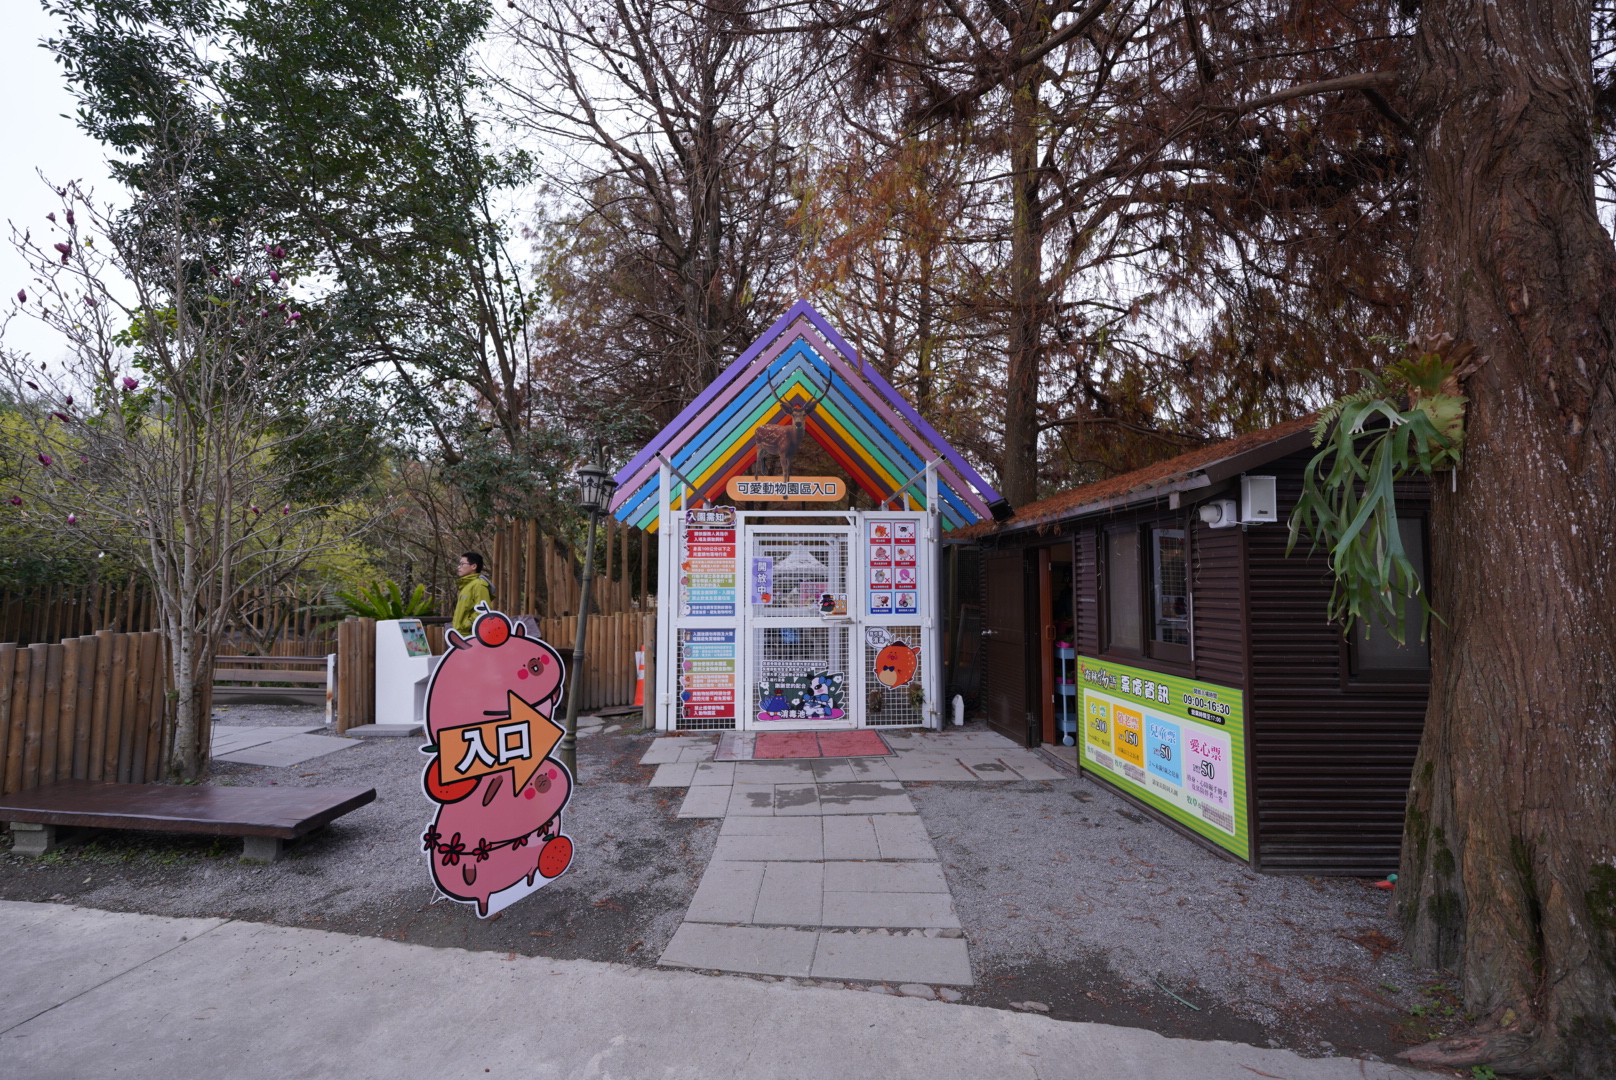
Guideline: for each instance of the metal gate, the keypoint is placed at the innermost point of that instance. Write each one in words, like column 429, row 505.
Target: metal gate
column 798, row 628
column 798, row 620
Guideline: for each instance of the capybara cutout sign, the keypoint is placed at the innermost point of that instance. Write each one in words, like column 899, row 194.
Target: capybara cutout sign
column 496, row 836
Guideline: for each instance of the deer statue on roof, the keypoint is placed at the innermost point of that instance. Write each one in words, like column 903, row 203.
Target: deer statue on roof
column 780, row 441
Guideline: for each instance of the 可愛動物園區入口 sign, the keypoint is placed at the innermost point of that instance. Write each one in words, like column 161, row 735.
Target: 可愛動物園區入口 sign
column 1176, row 744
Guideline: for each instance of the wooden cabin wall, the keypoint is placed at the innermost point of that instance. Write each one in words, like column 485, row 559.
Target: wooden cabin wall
column 1086, row 582
column 1217, row 605
column 1331, row 758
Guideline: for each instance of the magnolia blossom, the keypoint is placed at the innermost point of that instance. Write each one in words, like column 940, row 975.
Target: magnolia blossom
column 44, row 459
column 130, row 384
column 72, row 519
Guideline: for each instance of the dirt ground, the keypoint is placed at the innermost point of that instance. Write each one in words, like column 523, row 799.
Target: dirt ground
column 1069, row 897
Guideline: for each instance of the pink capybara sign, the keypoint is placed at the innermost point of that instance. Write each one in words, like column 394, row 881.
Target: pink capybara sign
column 497, row 834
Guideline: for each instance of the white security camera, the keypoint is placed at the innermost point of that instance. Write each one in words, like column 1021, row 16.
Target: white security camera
column 1220, row 514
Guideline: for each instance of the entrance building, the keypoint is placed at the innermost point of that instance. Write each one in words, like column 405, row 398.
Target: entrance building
column 782, row 607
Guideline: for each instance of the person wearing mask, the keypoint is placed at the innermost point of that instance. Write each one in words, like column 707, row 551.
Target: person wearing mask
column 475, row 588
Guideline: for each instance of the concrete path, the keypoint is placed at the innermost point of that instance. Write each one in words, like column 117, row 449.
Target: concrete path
column 281, row 746
column 94, row 993
column 823, row 869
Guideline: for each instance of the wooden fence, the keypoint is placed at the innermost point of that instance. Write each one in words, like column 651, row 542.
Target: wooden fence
column 50, row 613
column 609, row 672
column 609, row 665
column 537, row 575
column 90, row 708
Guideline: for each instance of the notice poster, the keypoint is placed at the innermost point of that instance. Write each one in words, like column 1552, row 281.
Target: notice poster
column 707, row 563
column 707, row 674
column 890, row 566
column 1177, row 744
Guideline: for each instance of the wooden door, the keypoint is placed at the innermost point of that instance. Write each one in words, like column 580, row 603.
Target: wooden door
column 1004, row 645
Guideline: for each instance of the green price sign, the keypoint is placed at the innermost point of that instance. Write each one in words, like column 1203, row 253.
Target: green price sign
column 1176, row 744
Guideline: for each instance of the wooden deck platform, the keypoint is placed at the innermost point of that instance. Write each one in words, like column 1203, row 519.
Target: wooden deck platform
column 264, row 817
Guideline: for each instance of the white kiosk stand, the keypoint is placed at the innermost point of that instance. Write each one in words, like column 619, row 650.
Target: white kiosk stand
column 404, row 663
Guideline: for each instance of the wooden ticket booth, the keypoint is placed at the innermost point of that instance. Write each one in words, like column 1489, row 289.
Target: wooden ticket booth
column 1208, row 683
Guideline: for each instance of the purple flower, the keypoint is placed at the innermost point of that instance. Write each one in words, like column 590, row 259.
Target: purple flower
column 294, row 316
column 64, row 249
column 130, row 384
column 280, row 252
column 15, row 500
column 255, row 509
column 236, row 281
column 275, row 276
column 70, row 215
column 90, row 300
column 44, row 459
column 63, row 417
column 22, row 296
column 287, row 509
column 72, row 519
column 31, row 384
column 51, row 217
column 70, row 402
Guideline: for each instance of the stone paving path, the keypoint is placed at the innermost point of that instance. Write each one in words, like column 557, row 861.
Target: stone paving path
column 823, row 868
column 280, row 746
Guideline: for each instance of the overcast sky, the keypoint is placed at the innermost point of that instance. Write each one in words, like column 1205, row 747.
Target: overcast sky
column 36, row 136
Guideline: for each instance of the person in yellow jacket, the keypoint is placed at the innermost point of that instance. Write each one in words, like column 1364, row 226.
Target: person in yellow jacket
column 475, row 588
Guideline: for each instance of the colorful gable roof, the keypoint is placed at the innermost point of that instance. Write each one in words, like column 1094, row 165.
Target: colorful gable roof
column 862, row 422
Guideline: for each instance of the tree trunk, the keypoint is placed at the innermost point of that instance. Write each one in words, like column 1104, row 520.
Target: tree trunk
column 185, row 762
column 1509, row 856
column 1019, row 475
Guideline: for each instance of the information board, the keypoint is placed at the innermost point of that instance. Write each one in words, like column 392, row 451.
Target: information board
column 1177, row 744
column 707, row 563
column 707, row 674
column 891, row 567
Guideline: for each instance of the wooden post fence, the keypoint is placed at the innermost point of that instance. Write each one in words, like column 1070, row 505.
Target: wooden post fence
column 90, row 708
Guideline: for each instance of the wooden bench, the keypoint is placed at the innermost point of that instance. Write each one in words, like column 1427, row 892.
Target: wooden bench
column 264, row 817
column 310, row 676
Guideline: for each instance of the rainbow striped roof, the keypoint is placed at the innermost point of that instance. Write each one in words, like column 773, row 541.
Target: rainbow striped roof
column 862, row 422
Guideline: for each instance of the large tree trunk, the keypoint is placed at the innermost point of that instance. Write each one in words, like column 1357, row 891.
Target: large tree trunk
column 1019, row 475
column 1509, row 857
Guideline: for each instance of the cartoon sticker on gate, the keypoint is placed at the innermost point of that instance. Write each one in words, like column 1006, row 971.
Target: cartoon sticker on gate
column 796, row 690
column 896, row 664
column 496, row 836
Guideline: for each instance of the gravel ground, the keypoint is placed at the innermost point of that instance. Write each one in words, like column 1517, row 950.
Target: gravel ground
column 1072, row 897
column 635, row 869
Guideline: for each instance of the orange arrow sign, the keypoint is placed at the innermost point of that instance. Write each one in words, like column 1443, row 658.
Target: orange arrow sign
column 519, row 742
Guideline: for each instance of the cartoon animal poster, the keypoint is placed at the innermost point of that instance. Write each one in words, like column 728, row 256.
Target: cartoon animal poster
column 793, row 691
column 896, row 664
column 496, row 835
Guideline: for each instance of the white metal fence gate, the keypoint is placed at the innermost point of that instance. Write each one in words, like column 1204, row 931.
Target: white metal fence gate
column 808, row 621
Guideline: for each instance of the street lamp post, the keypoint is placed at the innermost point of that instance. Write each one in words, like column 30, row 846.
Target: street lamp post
column 595, row 487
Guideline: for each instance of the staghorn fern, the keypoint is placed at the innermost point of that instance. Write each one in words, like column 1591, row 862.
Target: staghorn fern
column 1349, row 490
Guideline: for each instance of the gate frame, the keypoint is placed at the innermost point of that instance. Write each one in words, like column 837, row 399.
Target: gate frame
column 669, row 621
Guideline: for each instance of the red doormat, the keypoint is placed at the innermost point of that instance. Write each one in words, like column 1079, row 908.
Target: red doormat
column 808, row 744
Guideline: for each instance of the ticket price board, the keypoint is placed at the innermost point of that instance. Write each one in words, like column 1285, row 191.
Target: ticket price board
column 1176, row 744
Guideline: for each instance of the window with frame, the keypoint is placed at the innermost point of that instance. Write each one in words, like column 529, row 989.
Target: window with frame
column 1376, row 656
column 1147, row 591
column 1125, row 631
